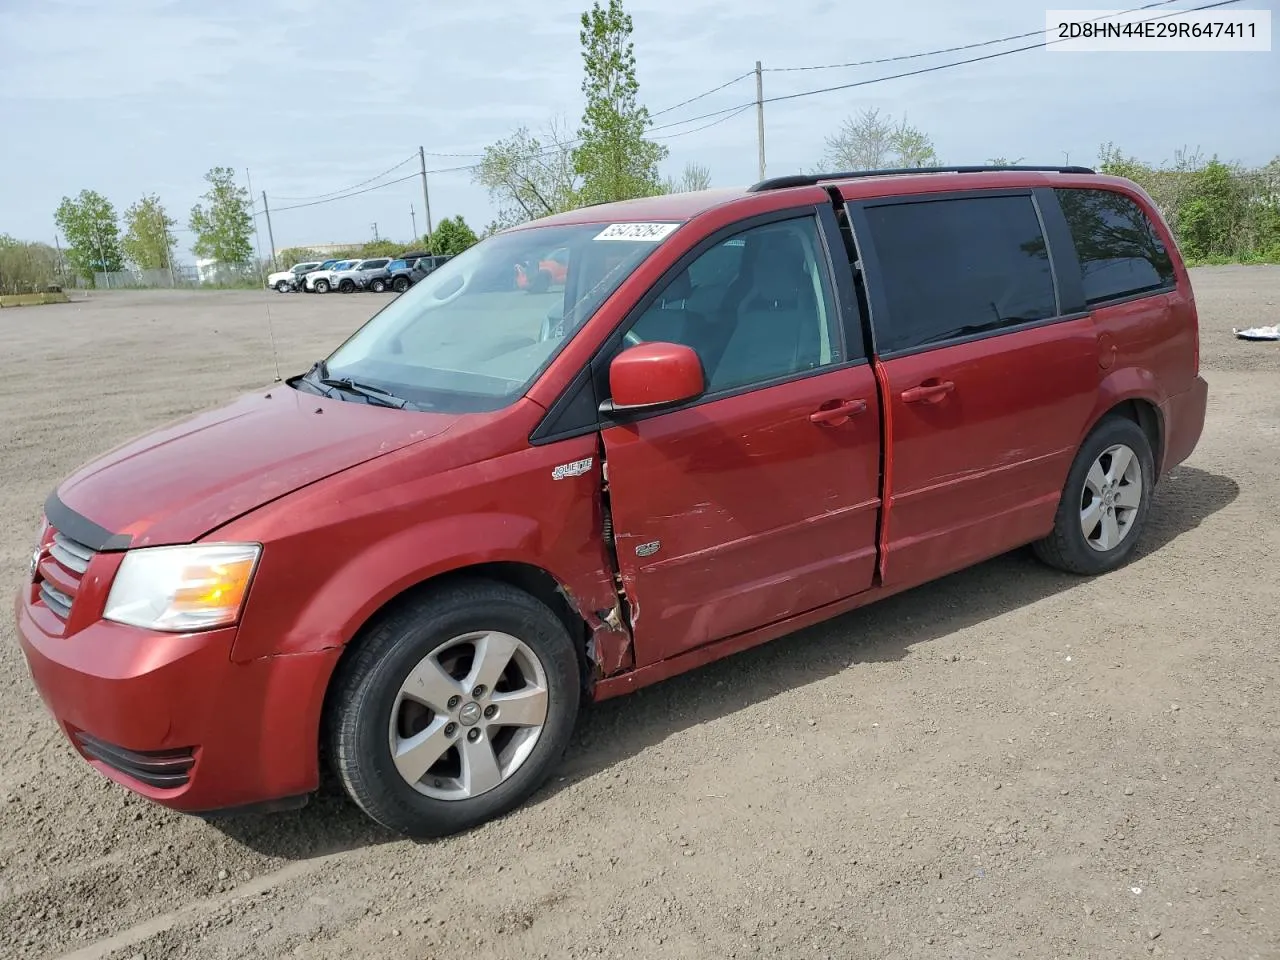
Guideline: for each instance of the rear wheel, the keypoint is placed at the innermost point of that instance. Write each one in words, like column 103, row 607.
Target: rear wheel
column 322, row 286
column 454, row 708
column 347, row 286
column 378, row 285
column 1105, row 501
column 400, row 284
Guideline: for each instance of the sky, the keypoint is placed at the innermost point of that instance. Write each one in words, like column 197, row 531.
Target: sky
column 133, row 97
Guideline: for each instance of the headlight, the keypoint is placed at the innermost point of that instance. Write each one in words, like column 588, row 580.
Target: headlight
column 179, row 589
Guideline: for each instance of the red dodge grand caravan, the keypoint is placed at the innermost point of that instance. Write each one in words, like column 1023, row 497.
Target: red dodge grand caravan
column 735, row 413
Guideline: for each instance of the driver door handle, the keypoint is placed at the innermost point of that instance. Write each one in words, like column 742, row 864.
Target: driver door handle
column 834, row 416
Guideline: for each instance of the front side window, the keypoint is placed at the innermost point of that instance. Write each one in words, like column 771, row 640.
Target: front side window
column 474, row 333
column 1120, row 253
column 953, row 268
column 754, row 308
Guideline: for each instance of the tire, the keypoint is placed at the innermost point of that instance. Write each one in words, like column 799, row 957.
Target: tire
column 369, row 718
column 1068, row 547
column 400, row 284
column 322, row 286
column 282, row 286
column 378, row 285
column 347, row 286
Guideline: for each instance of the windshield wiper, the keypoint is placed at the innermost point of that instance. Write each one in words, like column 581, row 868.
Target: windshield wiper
column 371, row 393
column 319, row 375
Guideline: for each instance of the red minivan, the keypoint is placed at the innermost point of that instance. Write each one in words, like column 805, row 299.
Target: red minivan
column 735, row 413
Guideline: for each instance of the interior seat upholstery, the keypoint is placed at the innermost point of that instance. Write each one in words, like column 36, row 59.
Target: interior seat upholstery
column 776, row 331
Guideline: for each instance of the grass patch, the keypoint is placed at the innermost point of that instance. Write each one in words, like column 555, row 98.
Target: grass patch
column 32, row 299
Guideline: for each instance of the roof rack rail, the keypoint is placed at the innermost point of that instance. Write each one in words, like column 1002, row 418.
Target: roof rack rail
column 810, row 180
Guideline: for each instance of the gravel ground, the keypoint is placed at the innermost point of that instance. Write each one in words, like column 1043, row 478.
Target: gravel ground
column 1006, row 763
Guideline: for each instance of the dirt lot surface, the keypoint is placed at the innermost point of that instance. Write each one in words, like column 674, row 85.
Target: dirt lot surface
column 1007, row 763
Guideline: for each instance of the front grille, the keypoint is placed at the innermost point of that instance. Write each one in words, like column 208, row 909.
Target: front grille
column 163, row 769
column 60, row 571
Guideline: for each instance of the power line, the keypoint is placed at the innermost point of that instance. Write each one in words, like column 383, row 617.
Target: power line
column 932, row 53
column 961, row 63
column 354, row 193
column 727, row 83
column 740, row 110
column 321, row 196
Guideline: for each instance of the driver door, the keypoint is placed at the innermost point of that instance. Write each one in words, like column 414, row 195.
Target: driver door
column 757, row 501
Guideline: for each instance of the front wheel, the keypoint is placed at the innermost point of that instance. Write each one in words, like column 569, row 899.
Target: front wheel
column 378, row 286
column 347, row 286
column 1105, row 501
column 282, row 286
column 322, row 286
column 400, row 284
column 454, row 708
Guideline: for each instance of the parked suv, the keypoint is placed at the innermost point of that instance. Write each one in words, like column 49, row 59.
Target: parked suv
column 286, row 280
column 332, row 277
column 405, row 272
column 305, row 282
column 372, row 274
column 737, row 413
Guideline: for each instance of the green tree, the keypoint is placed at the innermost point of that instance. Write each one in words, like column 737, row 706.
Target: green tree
column 27, row 267
column 872, row 142
column 93, row 237
column 529, row 177
column 613, row 158
column 292, row 255
column 694, row 177
column 224, row 229
column 451, row 237
column 148, row 235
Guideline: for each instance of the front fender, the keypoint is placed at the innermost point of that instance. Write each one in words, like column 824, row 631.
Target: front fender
column 285, row 616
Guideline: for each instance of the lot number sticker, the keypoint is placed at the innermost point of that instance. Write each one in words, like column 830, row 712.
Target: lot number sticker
column 643, row 232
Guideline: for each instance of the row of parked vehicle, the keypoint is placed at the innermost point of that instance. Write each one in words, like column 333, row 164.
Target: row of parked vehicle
column 375, row 274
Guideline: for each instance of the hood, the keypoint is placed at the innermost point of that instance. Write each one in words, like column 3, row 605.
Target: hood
column 177, row 483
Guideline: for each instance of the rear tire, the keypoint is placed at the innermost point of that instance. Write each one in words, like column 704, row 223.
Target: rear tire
column 347, row 286
column 400, row 284
column 1104, row 503
column 382, row 708
column 282, row 286
column 378, row 286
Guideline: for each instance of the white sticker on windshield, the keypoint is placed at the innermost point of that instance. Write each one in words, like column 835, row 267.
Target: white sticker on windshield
column 643, row 232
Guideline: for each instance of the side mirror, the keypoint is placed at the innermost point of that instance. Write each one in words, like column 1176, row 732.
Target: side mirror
column 653, row 375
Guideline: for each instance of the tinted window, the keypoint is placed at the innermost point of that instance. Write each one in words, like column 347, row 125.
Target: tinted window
column 396, row 265
column 1120, row 252
column 755, row 308
column 374, row 264
column 950, row 268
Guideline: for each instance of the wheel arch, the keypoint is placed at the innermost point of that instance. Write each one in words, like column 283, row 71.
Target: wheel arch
column 526, row 577
column 1135, row 395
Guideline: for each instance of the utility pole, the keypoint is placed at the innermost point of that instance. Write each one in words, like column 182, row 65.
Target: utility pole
column 375, row 231
column 62, row 268
column 426, row 197
column 414, row 216
column 257, row 240
column 271, row 238
column 760, row 115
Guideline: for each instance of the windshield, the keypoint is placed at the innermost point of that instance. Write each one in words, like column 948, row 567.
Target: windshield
column 475, row 332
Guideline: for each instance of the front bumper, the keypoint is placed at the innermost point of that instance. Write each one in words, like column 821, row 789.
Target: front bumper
column 173, row 718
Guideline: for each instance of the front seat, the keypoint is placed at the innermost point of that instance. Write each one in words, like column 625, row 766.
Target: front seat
column 668, row 319
column 776, row 332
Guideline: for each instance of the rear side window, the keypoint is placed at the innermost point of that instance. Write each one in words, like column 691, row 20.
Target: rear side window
column 953, row 268
column 1120, row 252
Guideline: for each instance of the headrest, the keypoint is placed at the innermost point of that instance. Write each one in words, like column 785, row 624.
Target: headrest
column 681, row 288
column 779, row 271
